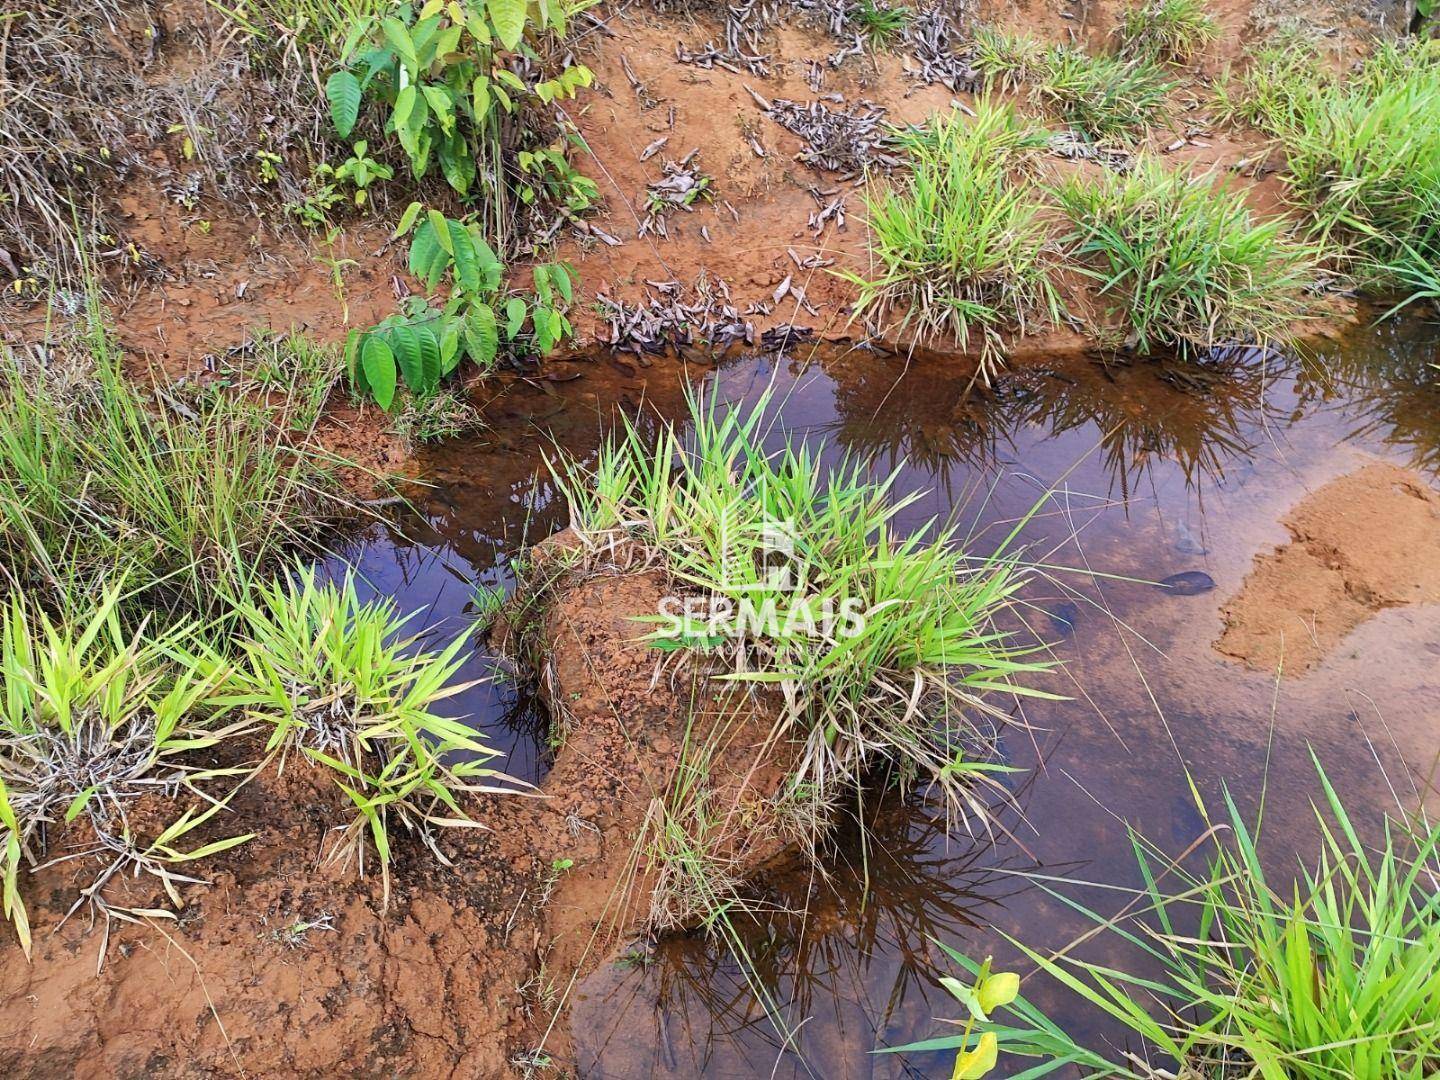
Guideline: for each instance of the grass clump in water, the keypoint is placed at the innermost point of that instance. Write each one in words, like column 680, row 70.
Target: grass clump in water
column 1335, row 975
column 882, row 646
column 959, row 246
column 1185, row 262
column 336, row 681
column 102, row 481
column 1173, row 30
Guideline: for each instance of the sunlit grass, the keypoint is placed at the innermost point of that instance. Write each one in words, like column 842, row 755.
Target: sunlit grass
column 1182, row 261
column 1334, row 975
column 959, row 246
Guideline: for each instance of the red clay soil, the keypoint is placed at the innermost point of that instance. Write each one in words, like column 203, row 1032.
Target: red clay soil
column 217, row 274
column 464, row 974
column 432, row 985
column 1364, row 542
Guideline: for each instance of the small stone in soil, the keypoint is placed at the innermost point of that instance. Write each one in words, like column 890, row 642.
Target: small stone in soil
column 1188, row 583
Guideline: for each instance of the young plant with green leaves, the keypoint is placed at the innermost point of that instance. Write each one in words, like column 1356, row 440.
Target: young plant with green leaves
column 958, row 245
column 1182, row 261
column 443, row 82
column 881, row 645
column 336, row 682
column 1336, row 974
column 92, row 718
column 1173, row 30
column 424, row 343
column 880, row 23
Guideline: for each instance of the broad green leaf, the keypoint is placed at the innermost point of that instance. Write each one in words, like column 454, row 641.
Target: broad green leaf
column 438, row 98
column 457, row 162
column 430, row 362
column 450, row 347
column 439, row 223
column 560, row 275
column 407, row 219
column 378, row 361
column 997, row 990
column 399, row 39
column 342, row 91
column 467, row 262
column 428, row 257
column 514, row 317
column 510, row 79
column 480, row 98
column 482, row 337
column 409, row 355
column 491, row 269
column 508, row 18
column 405, row 102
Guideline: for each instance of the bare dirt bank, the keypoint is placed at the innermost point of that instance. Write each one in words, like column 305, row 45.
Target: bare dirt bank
column 1367, row 541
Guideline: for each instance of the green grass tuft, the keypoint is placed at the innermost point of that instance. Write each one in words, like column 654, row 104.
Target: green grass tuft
column 1336, row 975
column 182, row 500
column 881, row 23
column 1362, row 150
column 336, row 680
column 958, row 246
column 1104, row 97
column 1184, row 261
column 1008, row 61
column 909, row 683
column 1173, row 30
column 93, row 717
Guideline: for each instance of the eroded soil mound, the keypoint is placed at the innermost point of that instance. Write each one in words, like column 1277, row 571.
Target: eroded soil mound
column 1367, row 541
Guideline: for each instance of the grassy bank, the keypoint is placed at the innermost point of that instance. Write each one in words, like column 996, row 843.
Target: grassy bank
column 1337, row 974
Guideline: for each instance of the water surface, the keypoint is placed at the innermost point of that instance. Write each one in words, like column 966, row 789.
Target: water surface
column 1147, row 470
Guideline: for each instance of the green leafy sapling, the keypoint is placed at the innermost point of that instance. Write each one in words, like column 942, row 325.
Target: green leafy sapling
column 426, row 341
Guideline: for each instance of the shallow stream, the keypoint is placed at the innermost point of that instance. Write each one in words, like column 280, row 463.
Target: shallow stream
column 1151, row 470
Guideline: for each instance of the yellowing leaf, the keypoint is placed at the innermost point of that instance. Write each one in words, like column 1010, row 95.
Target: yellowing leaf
column 997, row 990
column 973, row 1064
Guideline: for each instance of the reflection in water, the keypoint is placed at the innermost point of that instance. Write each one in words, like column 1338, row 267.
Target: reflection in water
column 1188, row 414
column 1157, row 470
column 870, row 925
column 1391, row 388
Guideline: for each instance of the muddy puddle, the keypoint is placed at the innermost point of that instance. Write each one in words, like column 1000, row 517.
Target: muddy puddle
column 1215, row 472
